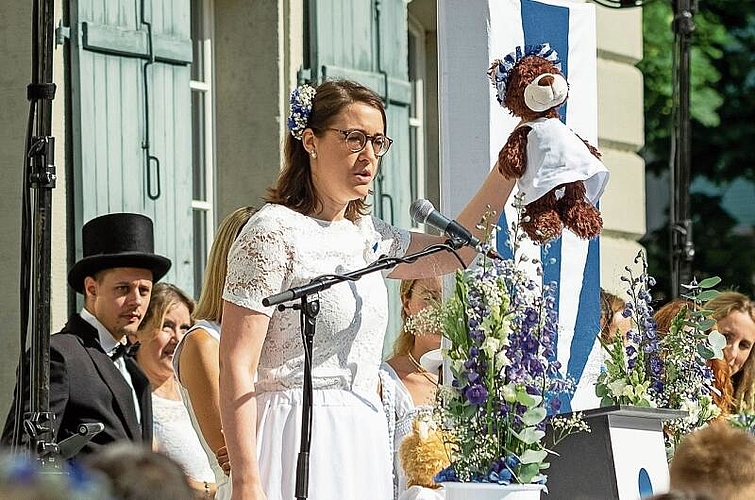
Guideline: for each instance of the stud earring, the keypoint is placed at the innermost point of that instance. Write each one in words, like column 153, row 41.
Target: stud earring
column 313, row 154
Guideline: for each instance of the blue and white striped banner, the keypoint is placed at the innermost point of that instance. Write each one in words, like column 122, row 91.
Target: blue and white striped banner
column 470, row 36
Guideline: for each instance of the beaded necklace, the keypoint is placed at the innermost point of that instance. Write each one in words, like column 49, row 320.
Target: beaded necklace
column 422, row 370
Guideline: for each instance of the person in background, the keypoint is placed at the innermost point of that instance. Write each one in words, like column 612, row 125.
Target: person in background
column 680, row 495
column 316, row 221
column 164, row 325
column 734, row 313
column 22, row 477
column 408, row 387
column 724, row 395
column 612, row 320
column 136, row 472
column 90, row 378
column 718, row 461
column 196, row 357
column 611, row 323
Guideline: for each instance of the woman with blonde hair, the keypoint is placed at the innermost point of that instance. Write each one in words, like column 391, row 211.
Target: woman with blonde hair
column 165, row 323
column 196, row 357
column 612, row 320
column 734, row 313
column 407, row 386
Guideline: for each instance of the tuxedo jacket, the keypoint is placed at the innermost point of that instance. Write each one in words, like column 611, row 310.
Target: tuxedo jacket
column 87, row 387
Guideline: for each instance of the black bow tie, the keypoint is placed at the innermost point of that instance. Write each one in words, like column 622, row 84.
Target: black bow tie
column 127, row 349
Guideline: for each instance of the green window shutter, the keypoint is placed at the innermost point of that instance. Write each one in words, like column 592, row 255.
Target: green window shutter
column 110, row 120
column 367, row 41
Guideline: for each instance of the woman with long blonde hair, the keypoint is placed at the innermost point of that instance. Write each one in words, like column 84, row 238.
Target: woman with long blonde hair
column 196, row 357
column 734, row 313
column 407, row 386
column 165, row 323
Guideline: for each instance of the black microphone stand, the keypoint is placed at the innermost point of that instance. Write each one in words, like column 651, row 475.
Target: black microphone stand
column 682, row 248
column 40, row 176
column 309, row 307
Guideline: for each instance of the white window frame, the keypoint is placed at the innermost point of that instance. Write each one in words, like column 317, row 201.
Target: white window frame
column 205, row 86
column 417, row 109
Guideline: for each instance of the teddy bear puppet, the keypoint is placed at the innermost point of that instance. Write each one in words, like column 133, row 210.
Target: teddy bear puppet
column 423, row 454
column 560, row 174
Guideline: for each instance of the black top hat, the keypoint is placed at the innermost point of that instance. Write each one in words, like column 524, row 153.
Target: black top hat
column 117, row 240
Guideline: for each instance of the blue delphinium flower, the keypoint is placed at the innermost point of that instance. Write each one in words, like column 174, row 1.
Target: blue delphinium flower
column 476, row 394
column 502, row 327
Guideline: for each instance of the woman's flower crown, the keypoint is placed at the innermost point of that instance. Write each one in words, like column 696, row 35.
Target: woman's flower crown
column 301, row 107
column 500, row 70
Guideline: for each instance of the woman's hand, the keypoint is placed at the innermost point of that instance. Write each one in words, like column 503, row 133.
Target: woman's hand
column 223, row 460
column 203, row 489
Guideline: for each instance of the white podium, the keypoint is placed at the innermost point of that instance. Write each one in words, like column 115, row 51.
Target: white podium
column 623, row 457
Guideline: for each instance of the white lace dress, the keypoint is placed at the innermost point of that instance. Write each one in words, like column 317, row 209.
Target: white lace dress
column 279, row 249
column 175, row 437
column 555, row 156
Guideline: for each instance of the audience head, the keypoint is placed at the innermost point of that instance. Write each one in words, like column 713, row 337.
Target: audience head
column 735, row 318
column 734, row 313
column 210, row 305
column 165, row 323
column 612, row 320
column 23, row 478
column 718, row 461
column 416, row 295
column 665, row 315
column 138, row 473
column 296, row 185
column 680, row 495
column 117, row 270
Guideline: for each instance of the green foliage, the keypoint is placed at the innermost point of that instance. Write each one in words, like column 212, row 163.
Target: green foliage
column 705, row 99
column 723, row 131
column 665, row 369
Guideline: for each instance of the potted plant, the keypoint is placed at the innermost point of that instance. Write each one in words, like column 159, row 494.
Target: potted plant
column 501, row 328
column 656, row 369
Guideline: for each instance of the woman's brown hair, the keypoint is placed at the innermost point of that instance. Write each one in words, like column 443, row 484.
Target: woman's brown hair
column 294, row 188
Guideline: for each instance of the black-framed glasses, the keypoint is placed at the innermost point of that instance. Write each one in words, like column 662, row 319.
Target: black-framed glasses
column 356, row 140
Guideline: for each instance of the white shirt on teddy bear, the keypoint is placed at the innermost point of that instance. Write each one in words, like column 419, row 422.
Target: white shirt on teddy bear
column 555, row 156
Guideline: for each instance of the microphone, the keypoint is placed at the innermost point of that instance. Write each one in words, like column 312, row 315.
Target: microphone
column 423, row 212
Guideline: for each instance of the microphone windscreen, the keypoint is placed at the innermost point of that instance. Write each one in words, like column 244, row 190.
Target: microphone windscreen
column 420, row 210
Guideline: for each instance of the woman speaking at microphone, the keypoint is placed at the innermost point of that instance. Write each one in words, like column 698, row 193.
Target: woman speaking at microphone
column 316, row 221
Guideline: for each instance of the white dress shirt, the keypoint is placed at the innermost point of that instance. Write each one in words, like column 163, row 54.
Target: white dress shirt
column 109, row 345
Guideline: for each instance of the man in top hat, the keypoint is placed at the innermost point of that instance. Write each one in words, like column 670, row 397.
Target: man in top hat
column 92, row 378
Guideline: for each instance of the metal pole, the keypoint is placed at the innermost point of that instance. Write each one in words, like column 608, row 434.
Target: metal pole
column 38, row 423
column 682, row 247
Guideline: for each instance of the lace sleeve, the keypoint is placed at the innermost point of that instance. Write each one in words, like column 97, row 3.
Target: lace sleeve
column 258, row 266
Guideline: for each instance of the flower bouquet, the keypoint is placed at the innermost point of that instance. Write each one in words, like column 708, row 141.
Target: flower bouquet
column 501, row 326
column 664, row 370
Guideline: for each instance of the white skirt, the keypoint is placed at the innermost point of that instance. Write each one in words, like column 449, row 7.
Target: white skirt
column 349, row 458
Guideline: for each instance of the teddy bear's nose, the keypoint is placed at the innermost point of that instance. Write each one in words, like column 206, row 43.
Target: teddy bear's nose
column 546, row 81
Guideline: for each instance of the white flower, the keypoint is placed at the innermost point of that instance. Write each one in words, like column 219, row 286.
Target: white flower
column 491, row 346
